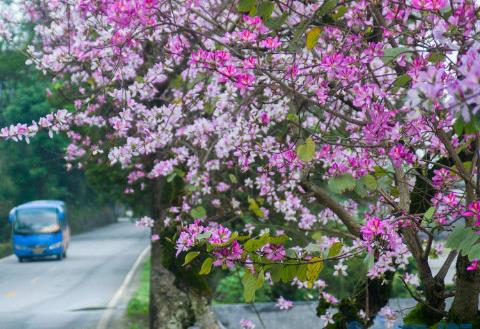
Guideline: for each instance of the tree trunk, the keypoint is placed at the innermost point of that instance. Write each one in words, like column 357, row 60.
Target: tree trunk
column 465, row 304
column 169, row 306
column 179, row 297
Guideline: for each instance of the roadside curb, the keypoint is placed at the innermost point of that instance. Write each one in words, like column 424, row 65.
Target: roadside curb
column 108, row 313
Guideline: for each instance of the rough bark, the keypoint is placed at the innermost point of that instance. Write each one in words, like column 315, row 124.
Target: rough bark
column 467, row 285
column 179, row 297
column 169, row 306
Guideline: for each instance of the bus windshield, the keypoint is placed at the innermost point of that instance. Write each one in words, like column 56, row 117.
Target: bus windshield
column 34, row 221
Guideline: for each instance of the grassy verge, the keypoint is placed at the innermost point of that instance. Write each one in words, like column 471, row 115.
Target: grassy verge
column 5, row 249
column 137, row 308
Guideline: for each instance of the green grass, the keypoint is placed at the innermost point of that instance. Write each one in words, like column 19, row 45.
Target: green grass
column 5, row 249
column 137, row 308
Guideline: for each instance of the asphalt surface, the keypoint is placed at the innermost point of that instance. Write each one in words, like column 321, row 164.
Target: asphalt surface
column 73, row 293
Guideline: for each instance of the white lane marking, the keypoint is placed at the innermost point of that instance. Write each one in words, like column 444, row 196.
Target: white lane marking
column 107, row 315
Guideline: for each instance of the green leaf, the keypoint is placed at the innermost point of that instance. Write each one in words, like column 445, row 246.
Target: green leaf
column 436, row 57
column 265, row 10
column 327, row 7
column 335, row 249
column 317, row 235
column 302, row 272
column 245, row 6
column 198, row 212
column 279, row 239
column 467, row 165
column 459, row 125
column 260, row 279
column 253, row 207
column 369, row 182
column 171, row 177
column 312, row 248
column 341, row 11
column 190, row 256
column 467, row 243
column 369, row 261
column 340, row 184
column 57, row 85
column 276, row 272
column 299, row 31
column 204, row 235
column 474, row 252
column 233, row 179
column 457, row 236
column 402, row 81
column 312, row 37
column 380, row 172
column 206, row 266
column 275, row 23
column 306, row 152
column 249, row 286
column 289, row 272
column 314, row 268
column 429, row 213
column 292, row 117
column 179, row 172
column 390, row 54
column 255, row 244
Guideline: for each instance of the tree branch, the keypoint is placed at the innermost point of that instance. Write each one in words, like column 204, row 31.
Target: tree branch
column 324, row 198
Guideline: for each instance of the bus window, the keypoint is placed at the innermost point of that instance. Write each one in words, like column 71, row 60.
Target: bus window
column 35, row 221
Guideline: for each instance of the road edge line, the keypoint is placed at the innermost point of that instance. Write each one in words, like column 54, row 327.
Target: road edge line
column 107, row 314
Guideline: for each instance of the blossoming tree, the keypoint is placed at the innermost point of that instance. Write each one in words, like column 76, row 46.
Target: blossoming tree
column 356, row 119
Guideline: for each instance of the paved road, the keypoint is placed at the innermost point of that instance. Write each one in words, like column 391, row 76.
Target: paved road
column 72, row 293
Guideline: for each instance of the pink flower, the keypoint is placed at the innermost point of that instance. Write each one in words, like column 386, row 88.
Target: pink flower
column 247, row 324
column 329, row 298
column 222, row 187
column 247, row 36
column 429, row 4
column 255, row 20
column 473, row 265
column 400, row 154
column 264, row 118
column 249, row 63
column 473, row 210
column 145, row 222
column 443, row 177
column 184, row 242
column 228, row 255
column 220, row 235
column 372, row 228
column 274, row 252
column 270, row 43
column 155, row 237
column 284, row 304
column 244, row 80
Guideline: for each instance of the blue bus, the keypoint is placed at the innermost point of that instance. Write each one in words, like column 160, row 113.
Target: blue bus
column 40, row 229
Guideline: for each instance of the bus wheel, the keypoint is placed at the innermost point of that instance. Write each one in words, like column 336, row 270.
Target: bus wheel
column 59, row 257
column 21, row 259
column 64, row 254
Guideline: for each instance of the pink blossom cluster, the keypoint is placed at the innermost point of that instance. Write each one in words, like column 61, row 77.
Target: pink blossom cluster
column 247, row 324
column 283, row 303
column 473, row 210
column 145, row 222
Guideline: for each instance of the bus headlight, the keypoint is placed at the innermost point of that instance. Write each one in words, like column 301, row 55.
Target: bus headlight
column 55, row 245
column 20, row 247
